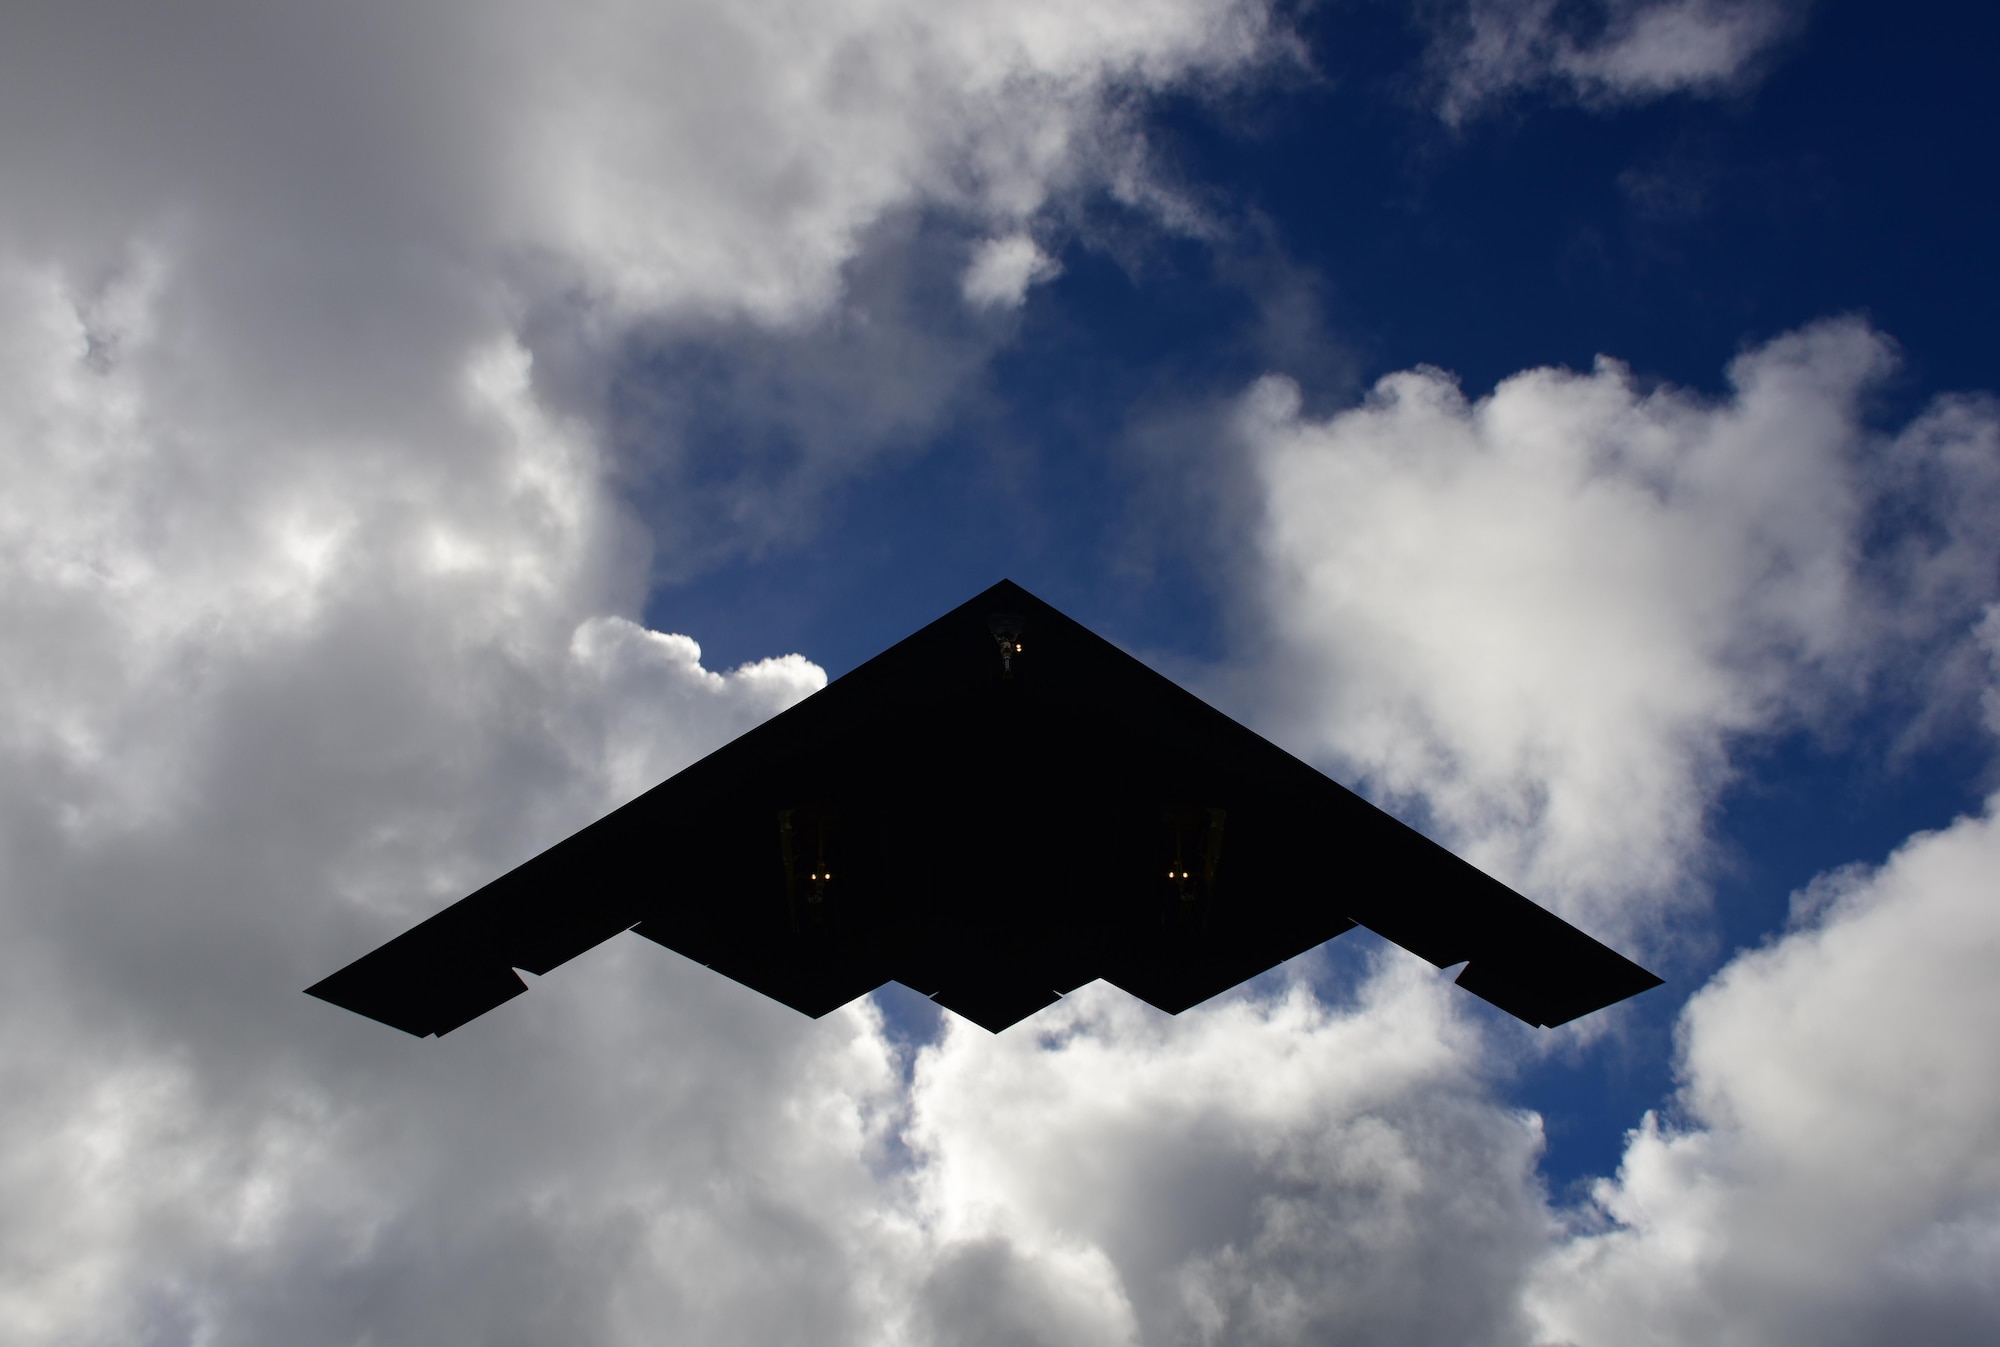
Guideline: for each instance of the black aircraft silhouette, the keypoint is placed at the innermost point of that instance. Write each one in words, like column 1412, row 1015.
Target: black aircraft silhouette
column 994, row 811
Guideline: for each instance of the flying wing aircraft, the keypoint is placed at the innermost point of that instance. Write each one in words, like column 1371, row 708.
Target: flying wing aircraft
column 994, row 812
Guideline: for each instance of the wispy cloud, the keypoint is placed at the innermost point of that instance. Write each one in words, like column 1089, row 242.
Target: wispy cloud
column 1608, row 51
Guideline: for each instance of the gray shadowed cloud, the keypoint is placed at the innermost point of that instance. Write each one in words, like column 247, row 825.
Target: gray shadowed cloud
column 727, row 434
column 315, row 621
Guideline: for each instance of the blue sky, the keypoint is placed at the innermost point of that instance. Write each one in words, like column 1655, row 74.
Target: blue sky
column 1571, row 422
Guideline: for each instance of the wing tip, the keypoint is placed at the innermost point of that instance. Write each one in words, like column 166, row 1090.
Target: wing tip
column 1533, row 995
column 420, row 1009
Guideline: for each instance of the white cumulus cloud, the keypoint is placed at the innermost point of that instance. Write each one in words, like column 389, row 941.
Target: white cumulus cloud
column 1834, row 1171
column 1544, row 617
column 261, row 704
column 1255, row 1171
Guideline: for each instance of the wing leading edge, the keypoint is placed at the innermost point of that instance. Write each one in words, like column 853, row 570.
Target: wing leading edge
column 995, row 811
